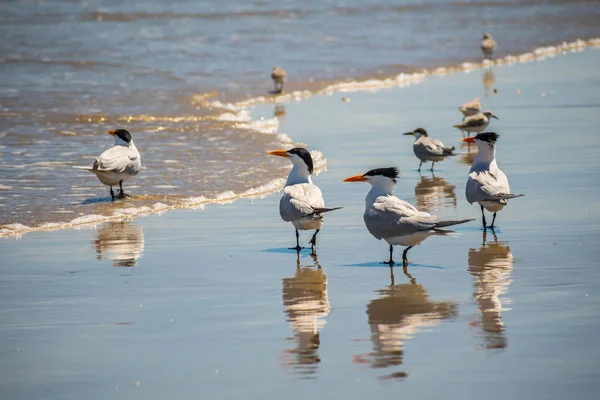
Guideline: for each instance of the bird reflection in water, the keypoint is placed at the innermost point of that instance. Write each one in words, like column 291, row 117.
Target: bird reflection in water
column 396, row 316
column 279, row 111
column 491, row 266
column 306, row 305
column 489, row 81
column 120, row 241
column 433, row 193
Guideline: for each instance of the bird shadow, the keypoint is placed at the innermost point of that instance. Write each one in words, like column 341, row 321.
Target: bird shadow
column 97, row 200
column 286, row 250
column 385, row 265
column 275, row 92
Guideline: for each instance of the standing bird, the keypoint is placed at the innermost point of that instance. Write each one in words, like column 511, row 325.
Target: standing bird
column 117, row 164
column 302, row 202
column 396, row 221
column 428, row 149
column 487, row 184
column 278, row 75
column 476, row 123
column 471, row 107
column 488, row 46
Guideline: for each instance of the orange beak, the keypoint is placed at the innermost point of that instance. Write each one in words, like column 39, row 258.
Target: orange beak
column 280, row 153
column 469, row 140
column 355, row 178
column 111, row 133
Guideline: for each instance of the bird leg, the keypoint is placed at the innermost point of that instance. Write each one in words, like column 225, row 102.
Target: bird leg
column 313, row 243
column 432, row 164
column 483, row 218
column 493, row 220
column 404, row 259
column 297, row 248
column 421, row 163
column 391, row 261
column 122, row 194
column 112, row 194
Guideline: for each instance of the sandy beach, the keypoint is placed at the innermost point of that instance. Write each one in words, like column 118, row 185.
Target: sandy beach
column 210, row 302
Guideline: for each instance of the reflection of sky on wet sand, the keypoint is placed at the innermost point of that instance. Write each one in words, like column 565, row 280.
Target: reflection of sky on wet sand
column 306, row 306
column 491, row 267
column 395, row 316
column 120, row 241
column 433, row 192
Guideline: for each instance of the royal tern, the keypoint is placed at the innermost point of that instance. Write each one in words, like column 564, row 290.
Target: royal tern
column 117, row 164
column 472, row 107
column 476, row 123
column 278, row 75
column 302, row 202
column 428, row 149
column 488, row 45
column 396, row 221
column 487, row 184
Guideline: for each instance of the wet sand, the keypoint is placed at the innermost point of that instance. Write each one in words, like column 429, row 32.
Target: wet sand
column 216, row 306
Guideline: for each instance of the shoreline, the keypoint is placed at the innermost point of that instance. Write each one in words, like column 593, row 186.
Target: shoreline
column 238, row 114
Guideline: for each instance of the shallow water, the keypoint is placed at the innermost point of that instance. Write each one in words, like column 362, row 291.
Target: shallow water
column 72, row 70
column 216, row 305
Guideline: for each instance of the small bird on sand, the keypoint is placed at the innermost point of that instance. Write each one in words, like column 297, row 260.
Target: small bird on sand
column 302, row 202
column 396, row 221
column 428, row 149
column 488, row 46
column 487, row 184
column 476, row 123
column 279, row 76
column 472, row 107
column 117, row 164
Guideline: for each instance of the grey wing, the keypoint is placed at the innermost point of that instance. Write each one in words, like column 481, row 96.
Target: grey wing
column 299, row 201
column 473, row 122
column 391, row 217
column 485, row 186
column 119, row 159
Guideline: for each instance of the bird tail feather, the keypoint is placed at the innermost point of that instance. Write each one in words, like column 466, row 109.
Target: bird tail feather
column 442, row 224
column 448, row 150
column 85, row 168
column 321, row 210
column 504, row 196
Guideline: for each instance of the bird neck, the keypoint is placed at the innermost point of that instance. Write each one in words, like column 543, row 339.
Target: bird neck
column 298, row 174
column 486, row 155
column 380, row 186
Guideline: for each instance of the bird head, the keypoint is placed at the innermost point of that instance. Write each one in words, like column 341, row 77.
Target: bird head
column 489, row 114
column 417, row 133
column 300, row 157
column 483, row 139
column 487, row 35
column 384, row 178
column 122, row 137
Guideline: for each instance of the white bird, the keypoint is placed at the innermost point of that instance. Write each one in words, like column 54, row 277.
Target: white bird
column 488, row 45
column 471, row 107
column 302, row 202
column 396, row 221
column 279, row 76
column 476, row 123
column 428, row 149
column 117, row 164
column 487, row 184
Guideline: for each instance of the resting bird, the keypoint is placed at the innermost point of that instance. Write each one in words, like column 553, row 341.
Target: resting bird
column 488, row 45
column 476, row 123
column 117, row 164
column 428, row 149
column 487, row 184
column 302, row 202
column 397, row 222
column 471, row 107
column 278, row 75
